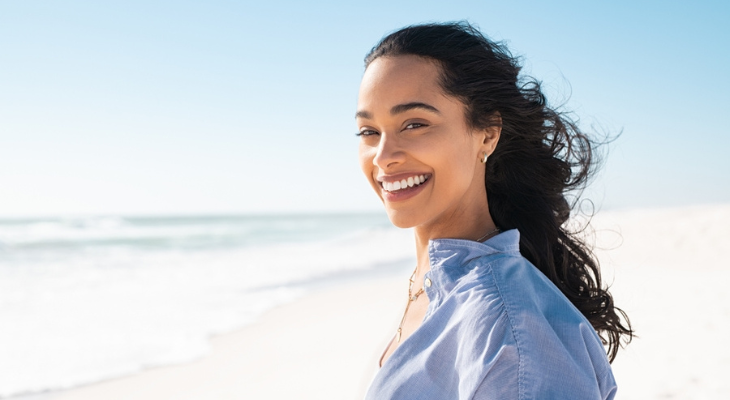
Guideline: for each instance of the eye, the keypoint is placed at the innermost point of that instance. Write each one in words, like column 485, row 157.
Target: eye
column 414, row 125
column 366, row 132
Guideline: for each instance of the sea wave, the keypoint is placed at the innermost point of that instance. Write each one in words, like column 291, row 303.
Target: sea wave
column 88, row 299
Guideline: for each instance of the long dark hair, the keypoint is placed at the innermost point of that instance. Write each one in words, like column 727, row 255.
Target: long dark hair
column 541, row 160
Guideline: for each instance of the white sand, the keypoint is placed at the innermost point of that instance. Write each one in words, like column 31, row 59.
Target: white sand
column 324, row 346
column 669, row 274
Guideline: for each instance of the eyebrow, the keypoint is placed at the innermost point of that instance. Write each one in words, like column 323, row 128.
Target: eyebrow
column 401, row 108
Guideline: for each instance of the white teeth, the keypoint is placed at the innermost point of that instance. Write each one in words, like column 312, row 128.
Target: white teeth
column 404, row 183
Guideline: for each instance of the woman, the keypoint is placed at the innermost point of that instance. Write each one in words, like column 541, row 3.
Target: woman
column 505, row 302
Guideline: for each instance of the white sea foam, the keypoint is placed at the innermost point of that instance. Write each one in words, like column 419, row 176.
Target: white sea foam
column 84, row 300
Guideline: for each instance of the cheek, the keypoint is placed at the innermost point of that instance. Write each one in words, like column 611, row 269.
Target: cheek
column 365, row 158
column 455, row 169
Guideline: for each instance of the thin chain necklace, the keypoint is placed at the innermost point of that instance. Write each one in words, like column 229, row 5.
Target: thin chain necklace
column 414, row 296
column 411, row 298
column 495, row 230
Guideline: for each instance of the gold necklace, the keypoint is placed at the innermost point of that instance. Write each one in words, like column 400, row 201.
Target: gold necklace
column 487, row 235
column 411, row 298
column 414, row 296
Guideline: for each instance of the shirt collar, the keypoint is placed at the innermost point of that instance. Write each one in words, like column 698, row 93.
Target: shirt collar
column 450, row 259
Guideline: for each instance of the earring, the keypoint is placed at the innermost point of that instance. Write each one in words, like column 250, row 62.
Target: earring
column 484, row 160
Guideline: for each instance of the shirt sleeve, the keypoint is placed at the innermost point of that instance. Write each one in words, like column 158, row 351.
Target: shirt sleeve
column 493, row 388
column 502, row 380
column 543, row 368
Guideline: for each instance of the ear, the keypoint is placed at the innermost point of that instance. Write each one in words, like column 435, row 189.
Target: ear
column 490, row 135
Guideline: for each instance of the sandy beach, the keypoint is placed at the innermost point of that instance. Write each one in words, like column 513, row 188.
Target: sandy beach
column 666, row 267
column 323, row 346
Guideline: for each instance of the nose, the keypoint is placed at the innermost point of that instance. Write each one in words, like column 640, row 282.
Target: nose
column 388, row 153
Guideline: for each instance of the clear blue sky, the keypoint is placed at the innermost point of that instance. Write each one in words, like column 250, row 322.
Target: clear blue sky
column 234, row 107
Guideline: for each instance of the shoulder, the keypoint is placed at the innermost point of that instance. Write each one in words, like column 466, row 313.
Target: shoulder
column 557, row 350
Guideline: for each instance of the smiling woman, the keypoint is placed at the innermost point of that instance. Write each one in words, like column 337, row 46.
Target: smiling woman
column 405, row 115
column 460, row 149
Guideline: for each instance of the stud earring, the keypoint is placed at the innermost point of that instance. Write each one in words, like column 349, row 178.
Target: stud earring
column 484, row 160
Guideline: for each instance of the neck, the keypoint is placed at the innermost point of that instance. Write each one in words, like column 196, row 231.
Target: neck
column 460, row 224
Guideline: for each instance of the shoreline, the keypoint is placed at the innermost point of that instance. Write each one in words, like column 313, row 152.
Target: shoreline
column 325, row 344
column 667, row 270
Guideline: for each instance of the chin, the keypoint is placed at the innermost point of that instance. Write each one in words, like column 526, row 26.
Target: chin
column 402, row 219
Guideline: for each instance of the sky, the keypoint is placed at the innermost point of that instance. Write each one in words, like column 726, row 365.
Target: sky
column 223, row 107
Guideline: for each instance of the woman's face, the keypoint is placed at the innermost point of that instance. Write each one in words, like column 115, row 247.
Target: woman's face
column 416, row 149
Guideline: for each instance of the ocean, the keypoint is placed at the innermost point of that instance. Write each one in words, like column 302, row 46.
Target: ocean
column 90, row 298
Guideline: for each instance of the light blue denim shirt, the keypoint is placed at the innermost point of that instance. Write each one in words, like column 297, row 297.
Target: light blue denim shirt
column 496, row 328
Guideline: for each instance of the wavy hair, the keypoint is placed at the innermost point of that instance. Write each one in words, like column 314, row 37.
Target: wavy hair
column 541, row 160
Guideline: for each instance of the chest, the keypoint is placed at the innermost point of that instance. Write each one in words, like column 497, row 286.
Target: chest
column 414, row 314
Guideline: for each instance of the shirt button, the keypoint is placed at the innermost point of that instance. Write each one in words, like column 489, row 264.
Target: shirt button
column 427, row 282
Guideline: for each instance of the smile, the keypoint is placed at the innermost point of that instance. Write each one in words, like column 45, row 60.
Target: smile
column 404, row 183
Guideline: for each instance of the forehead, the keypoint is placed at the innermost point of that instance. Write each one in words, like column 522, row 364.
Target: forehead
column 395, row 80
